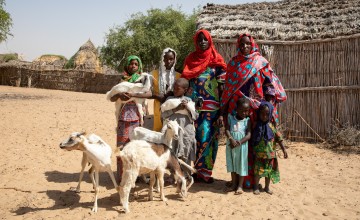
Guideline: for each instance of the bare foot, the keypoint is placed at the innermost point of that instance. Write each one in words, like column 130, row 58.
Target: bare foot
column 239, row 191
column 257, row 192
column 268, row 191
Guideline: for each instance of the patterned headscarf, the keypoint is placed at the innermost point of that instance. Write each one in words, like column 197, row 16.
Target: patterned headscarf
column 132, row 77
column 197, row 61
column 262, row 129
column 242, row 68
column 163, row 72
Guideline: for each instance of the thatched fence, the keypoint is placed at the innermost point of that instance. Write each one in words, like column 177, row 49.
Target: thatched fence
column 322, row 81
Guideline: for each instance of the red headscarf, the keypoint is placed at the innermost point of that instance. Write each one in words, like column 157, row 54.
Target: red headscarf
column 197, row 61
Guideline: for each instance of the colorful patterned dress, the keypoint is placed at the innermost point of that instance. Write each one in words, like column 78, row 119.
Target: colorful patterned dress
column 237, row 158
column 266, row 163
column 207, row 131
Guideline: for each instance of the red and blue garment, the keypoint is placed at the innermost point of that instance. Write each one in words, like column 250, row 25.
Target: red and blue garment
column 246, row 76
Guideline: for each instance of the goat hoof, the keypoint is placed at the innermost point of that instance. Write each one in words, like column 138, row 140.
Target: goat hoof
column 94, row 209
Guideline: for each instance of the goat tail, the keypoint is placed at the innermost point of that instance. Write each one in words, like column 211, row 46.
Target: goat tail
column 187, row 166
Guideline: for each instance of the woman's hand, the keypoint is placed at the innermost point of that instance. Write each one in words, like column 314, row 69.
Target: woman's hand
column 159, row 97
column 124, row 96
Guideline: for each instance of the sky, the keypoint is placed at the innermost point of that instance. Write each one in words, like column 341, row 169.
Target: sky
column 61, row 27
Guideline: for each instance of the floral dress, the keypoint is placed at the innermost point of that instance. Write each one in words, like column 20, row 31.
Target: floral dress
column 266, row 163
column 205, row 86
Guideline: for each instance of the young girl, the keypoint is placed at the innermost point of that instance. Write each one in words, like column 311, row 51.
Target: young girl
column 163, row 83
column 264, row 139
column 238, row 133
column 129, row 117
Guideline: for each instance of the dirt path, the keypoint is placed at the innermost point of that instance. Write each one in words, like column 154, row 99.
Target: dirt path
column 36, row 174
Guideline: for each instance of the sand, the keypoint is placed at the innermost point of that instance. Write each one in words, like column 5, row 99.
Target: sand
column 36, row 175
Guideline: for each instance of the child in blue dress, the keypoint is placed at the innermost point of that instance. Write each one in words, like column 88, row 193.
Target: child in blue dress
column 238, row 133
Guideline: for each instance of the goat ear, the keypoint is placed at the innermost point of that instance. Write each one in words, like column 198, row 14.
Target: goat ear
column 167, row 120
column 82, row 133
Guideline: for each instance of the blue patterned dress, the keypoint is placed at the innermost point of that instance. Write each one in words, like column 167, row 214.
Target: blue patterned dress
column 237, row 158
column 207, row 131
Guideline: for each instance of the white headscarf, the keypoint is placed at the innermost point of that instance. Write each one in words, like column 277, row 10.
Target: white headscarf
column 163, row 81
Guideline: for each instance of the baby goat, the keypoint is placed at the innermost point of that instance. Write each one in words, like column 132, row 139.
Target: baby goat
column 143, row 84
column 169, row 132
column 141, row 157
column 97, row 153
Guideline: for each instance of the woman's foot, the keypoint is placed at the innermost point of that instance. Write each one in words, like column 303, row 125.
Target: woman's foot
column 256, row 191
column 239, row 191
column 268, row 191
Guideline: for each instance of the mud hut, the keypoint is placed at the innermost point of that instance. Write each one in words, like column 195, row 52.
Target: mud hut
column 314, row 47
column 87, row 58
column 49, row 59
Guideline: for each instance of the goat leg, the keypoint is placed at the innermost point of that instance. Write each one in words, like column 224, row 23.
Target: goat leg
column 95, row 207
column 151, row 185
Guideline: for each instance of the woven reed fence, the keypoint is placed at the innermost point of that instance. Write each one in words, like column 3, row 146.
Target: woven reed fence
column 322, row 81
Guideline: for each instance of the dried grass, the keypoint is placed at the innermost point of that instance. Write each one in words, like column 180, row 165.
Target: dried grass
column 344, row 135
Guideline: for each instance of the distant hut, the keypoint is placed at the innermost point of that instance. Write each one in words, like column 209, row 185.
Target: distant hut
column 57, row 61
column 314, row 47
column 87, row 58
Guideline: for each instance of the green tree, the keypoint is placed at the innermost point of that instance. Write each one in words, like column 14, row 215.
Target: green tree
column 5, row 22
column 146, row 35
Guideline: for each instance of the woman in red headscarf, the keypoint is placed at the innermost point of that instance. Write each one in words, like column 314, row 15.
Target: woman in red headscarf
column 248, row 73
column 205, row 69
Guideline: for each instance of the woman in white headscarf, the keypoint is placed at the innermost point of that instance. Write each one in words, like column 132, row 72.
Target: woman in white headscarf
column 163, row 83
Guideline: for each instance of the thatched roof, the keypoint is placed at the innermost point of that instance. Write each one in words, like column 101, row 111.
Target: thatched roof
column 87, row 58
column 49, row 59
column 290, row 20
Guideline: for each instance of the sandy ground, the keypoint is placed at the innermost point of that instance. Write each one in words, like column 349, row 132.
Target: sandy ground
column 36, row 174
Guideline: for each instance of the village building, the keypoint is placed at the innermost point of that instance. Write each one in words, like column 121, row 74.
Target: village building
column 314, row 48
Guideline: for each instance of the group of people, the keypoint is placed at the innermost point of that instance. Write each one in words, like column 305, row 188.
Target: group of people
column 242, row 96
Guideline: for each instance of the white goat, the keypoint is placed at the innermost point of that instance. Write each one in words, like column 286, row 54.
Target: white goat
column 142, row 85
column 169, row 132
column 141, row 157
column 97, row 153
column 173, row 103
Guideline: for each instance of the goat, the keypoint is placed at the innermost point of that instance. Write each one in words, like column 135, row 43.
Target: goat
column 143, row 84
column 169, row 132
column 97, row 153
column 141, row 157
column 173, row 103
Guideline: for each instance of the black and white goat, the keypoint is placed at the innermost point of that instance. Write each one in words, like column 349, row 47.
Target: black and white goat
column 97, row 153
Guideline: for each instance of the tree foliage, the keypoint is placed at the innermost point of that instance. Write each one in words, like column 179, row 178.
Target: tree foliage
column 5, row 22
column 146, row 35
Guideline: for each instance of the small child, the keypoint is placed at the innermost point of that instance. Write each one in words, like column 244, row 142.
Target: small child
column 264, row 138
column 185, row 114
column 238, row 133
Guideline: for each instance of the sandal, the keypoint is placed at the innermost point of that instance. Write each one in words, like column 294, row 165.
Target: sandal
column 239, row 191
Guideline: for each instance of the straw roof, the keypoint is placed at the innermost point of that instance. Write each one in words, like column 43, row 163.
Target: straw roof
column 50, row 59
column 288, row 20
column 87, row 58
